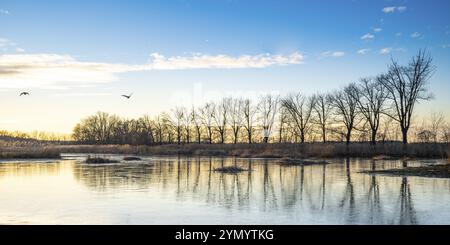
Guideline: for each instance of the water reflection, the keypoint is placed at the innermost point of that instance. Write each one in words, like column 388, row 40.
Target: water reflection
column 268, row 193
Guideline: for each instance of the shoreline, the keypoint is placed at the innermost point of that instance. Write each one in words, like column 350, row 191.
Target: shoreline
column 381, row 151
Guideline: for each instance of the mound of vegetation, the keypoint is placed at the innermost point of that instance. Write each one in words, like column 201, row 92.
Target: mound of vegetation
column 300, row 162
column 99, row 160
column 434, row 171
column 132, row 159
column 230, row 169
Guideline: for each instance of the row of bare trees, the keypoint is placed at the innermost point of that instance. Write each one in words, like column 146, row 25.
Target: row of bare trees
column 364, row 111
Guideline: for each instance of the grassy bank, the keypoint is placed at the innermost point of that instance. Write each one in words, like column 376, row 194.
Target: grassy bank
column 319, row 150
column 323, row 150
column 30, row 153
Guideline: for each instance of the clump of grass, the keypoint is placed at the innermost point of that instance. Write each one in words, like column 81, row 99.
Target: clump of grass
column 300, row 162
column 90, row 159
column 230, row 169
column 433, row 171
column 132, row 159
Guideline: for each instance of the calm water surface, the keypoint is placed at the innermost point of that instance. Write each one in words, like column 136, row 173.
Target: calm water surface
column 182, row 190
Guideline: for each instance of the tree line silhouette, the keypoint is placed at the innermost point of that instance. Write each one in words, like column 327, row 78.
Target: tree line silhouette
column 373, row 109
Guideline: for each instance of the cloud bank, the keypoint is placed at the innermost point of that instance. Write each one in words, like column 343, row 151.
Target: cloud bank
column 55, row 71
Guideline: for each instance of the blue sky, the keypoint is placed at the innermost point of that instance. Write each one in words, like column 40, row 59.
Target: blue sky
column 84, row 54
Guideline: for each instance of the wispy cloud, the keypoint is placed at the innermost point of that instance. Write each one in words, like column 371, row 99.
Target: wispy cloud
column 333, row 54
column 446, row 46
column 398, row 34
column 385, row 50
column 401, row 8
column 377, row 29
column 6, row 42
column 364, row 51
column 20, row 50
column 56, row 71
column 4, row 11
column 392, row 9
column 367, row 37
column 201, row 61
column 415, row 34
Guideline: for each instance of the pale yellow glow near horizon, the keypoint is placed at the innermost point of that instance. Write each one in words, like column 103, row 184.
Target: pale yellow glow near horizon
column 62, row 117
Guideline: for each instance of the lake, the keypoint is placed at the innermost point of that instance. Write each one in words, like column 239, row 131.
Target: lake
column 187, row 190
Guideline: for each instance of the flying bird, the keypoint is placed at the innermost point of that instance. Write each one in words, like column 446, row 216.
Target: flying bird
column 24, row 93
column 127, row 96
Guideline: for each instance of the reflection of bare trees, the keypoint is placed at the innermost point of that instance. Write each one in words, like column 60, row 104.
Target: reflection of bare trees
column 349, row 194
column 30, row 169
column 407, row 212
column 267, row 186
column 323, row 185
column 373, row 198
column 104, row 177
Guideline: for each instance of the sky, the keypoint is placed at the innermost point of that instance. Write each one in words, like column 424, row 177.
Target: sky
column 79, row 57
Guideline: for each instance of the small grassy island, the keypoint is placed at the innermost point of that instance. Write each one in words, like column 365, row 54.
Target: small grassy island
column 230, row 170
column 99, row 160
column 434, row 171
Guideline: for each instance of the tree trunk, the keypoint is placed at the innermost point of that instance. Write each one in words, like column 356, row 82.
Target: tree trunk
column 323, row 135
column 374, row 137
column 348, row 136
column 266, row 139
column 302, row 135
column 405, row 135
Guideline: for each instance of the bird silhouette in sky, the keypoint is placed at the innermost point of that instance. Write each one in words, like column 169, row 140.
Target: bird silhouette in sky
column 24, row 93
column 127, row 96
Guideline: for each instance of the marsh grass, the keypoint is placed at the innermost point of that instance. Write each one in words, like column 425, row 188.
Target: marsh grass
column 388, row 150
column 29, row 153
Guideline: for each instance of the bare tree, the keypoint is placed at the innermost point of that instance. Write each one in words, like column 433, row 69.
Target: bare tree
column 268, row 107
column 236, row 117
column 221, row 114
column 178, row 115
column 323, row 108
column 159, row 127
column 436, row 122
column 283, row 120
column 207, row 112
column 345, row 103
column 406, row 86
column 300, row 109
column 370, row 98
column 187, row 119
column 197, row 122
column 147, row 125
column 249, row 118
